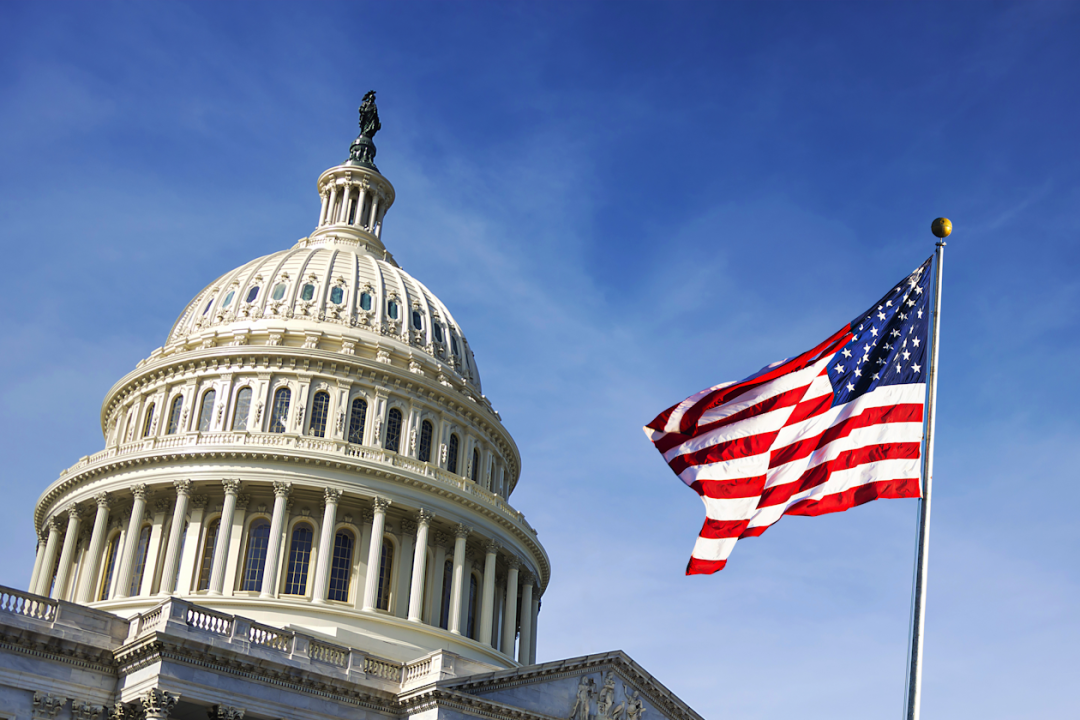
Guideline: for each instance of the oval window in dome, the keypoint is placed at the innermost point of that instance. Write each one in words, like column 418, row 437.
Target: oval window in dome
column 279, row 291
column 208, row 306
column 252, row 294
column 228, row 299
column 453, row 344
column 437, row 329
column 308, row 292
column 417, row 320
column 391, row 309
column 337, row 295
column 365, row 301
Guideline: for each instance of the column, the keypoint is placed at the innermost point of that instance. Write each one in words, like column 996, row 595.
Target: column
column 97, row 545
column 176, row 532
column 360, row 206
column 408, row 546
column 535, row 629
column 330, row 217
column 52, row 547
column 39, row 559
column 273, row 546
column 326, row 543
column 526, row 620
column 434, row 608
column 221, row 551
column 131, row 543
column 460, row 533
column 153, row 548
column 346, row 194
column 157, row 704
column 371, row 582
column 366, row 518
column 322, row 213
column 189, row 560
column 487, row 600
column 416, row 596
column 374, row 210
column 67, row 555
column 509, row 629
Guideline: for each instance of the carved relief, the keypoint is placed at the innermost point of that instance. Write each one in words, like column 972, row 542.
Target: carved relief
column 47, row 705
column 157, row 704
column 85, row 711
column 224, row 712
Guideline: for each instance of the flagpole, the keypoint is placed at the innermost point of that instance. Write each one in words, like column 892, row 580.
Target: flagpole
column 941, row 228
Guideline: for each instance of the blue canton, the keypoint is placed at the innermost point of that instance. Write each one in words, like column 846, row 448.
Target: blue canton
column 889, row 342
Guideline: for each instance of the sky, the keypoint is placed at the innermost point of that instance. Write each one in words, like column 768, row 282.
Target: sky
column 622, row 204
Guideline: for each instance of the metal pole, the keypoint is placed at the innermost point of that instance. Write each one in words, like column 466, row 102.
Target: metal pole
column 918, row 616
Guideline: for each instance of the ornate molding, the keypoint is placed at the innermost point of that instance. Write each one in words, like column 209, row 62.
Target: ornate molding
column 183, row 487
column 232, row 487
column 282, row 488
column 224, row 712
column 46, row 705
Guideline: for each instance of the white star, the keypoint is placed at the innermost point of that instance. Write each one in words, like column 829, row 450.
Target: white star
column 916, row 368
column 881, row 316
column 911, row 303
column 858, row 372
column 880, row 307
column 920, row 313
column 877, row 376
column 873, row 331
column 918, row 290
column 839, row 368
column 897, row 368
column 906, row 354
column 903, row 316
column 905, row 344
column 915, row 341
column 881, row 361
column 867, row 347
column 888, row 346
column 888, row 303
column 850, row 387
column 896, row 333
column 847, row 353
column 864, row 358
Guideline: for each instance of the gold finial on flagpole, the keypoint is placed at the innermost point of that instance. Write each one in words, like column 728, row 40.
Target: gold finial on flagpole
column 941, row 227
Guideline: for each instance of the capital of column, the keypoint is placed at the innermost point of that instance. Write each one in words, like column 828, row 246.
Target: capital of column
column 139, row 491
column 282, row 489
column 514, row 562
column 55, row 524
column 232, row 487
column 461, row 530
column 493, row 546
column 224, row 712
column 158, row 703
column 380, row 504
column 199, row 500
column 424, row 517
column 73, row 511
column 183, row 487
column 102, row 499
column 331, row 495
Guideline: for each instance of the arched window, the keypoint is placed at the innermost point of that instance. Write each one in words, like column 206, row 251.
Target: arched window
column 279, row 291
column 417, row 320
column 252, row 294
column 393, row 430
column 356, row 421
column 447, row 588
column 206, row 413
column 451, row 454
column 392, row 309
column 281, row 410
column 341, row 566
column 436, row 328
column 149, row 422
column 425, row 441
column 242, row 409
column 453, row 345
column 337, row 295
column 228, row 299
column 174, row 415
column 207, row 563
column 470, row 626
column 108, row 566
column 386, row 566
column 307, row 292
column 299, row 559
column 474, row 471
column 365, row 301
column 320, row 407
column 140, row 561
column 255, row 557
column 208, row 306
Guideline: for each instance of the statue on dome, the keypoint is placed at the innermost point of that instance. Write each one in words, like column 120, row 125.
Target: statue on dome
column 362, row 151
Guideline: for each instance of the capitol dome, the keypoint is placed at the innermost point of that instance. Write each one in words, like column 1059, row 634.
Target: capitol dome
column 311, row 449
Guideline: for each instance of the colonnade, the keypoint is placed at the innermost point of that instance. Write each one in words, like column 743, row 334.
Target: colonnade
column 164, row 558
column 355, row 204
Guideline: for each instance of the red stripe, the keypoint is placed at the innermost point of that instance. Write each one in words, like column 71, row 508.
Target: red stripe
column 715, row 529
column 704, row 567
column 728, row 489
column 882, row 490
column 907, row 412
column 722, row 395
column 819, row 474
column 775, row 402
column 810, row 408
column 730, row 450
column 754, row 531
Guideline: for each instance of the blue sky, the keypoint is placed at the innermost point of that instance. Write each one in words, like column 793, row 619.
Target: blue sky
column 622, row 204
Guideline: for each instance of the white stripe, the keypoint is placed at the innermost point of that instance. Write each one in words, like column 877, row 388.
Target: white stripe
column 713, row 548
column 730, row 509
column 765, row 423
column 782, row 384
column 743, row 467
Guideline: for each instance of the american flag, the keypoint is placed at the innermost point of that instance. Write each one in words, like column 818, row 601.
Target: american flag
column 835, row 427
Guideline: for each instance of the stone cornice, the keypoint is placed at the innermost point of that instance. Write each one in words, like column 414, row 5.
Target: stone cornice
column 470, row 704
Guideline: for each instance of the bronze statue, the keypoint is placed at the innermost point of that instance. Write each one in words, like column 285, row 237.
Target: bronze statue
column 369, row 116
column 362, row 150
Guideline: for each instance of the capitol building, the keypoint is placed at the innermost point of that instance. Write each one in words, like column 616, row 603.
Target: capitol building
column 302, row 511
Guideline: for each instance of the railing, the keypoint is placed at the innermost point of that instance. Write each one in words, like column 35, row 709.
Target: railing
column 330, row 654
column 215, row 622
column 150, row 620
column 382, row 668
column 416, row 670
column 34, row 606
column 270, row 637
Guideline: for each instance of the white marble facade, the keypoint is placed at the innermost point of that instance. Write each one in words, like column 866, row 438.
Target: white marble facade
column 302, row 510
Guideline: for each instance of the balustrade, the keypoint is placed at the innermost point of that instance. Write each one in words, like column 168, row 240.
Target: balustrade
column 34, row 606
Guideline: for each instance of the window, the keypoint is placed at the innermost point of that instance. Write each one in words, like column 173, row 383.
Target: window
column 252, row 294
column 320, row 407
column 149, row 422
column 140, row 561
column 437, row 329
column 208, row 306
column 255, row 557
column 470, row 626
column 453, row 345
column 243, row 407
column 228, row 299
column 365, row 301
column 393, row 430
column 451, row 455
column 474, row 471
column 386, row 565
column 174, row 415
column 299, row 559
column 352, row 211
column 417, row 320
column 207, row 564
column 392, row 309
column 307, row 292
column 341, row 566
column 279, row 291
column 281, row 410
column 447, row 587
column 356, row 421
column 206, row 413
column 425, row 441
column 107, row 567
column 337, row 295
